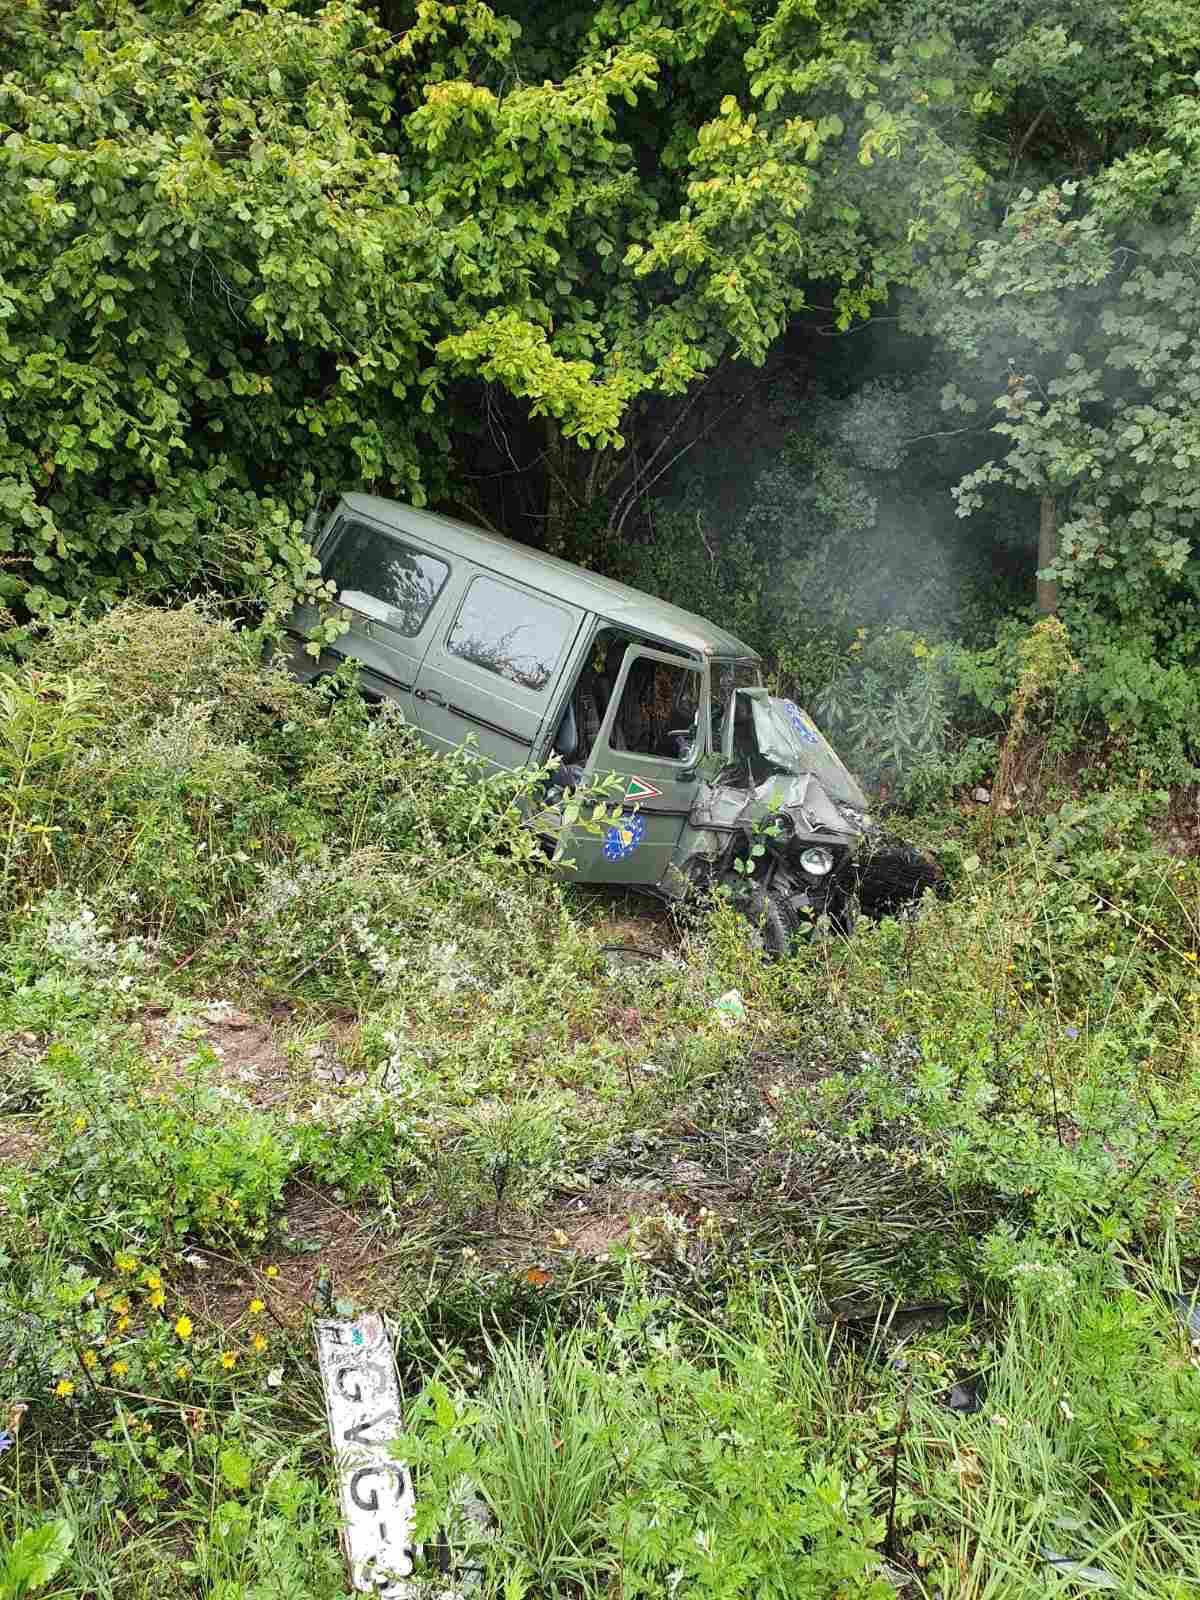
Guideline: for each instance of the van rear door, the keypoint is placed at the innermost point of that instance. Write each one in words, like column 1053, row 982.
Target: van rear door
column 492, row 670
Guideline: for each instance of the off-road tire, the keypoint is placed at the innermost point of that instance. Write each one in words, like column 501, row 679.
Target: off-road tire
column 893, row 877
column 769, row 915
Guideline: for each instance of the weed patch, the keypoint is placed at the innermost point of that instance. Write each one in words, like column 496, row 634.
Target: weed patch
column 294, row 1019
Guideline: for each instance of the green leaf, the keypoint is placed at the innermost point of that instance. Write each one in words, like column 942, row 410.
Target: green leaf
column 236, row 1467
column 35, row 1558
column 443, row 1406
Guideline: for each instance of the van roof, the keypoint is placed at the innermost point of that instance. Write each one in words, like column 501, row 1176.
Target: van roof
column 640, row 613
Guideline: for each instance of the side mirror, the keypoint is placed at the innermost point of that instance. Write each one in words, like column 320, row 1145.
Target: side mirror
column 566, row 740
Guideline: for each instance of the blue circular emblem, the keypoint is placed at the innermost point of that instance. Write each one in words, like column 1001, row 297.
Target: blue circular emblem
column 623, row 838
column 801, row 723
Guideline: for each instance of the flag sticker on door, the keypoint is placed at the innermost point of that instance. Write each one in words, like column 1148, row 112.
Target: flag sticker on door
column 639, row 789
column 623, row 838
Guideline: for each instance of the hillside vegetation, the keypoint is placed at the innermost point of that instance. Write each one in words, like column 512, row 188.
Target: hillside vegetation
column 869, row 330
column 293, row 1017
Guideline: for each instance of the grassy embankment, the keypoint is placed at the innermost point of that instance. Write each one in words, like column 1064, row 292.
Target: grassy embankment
column 291, row 1017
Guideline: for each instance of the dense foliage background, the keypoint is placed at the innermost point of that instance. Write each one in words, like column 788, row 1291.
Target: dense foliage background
column 825, row 314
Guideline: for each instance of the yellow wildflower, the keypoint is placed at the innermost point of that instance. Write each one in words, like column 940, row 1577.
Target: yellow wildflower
column 228, row 1360
column 272, row 1272
column 151, row 1279
column 181, row 1371
column 79, row 1124
column 121, row 1305
column 63, row 1388
column 257, row 1307
column 125, row 1262
column 259, row 1343
column 158, row 1299
column 120, row 1369
column 90, row 1359
column 122, row 1324
column 183, row 1327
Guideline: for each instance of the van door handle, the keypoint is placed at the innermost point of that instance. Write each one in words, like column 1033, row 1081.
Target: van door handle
column 434, row 698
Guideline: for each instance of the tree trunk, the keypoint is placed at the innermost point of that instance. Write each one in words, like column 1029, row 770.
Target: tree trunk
column 576, row 481
column 1047, row 588
column 557, row 506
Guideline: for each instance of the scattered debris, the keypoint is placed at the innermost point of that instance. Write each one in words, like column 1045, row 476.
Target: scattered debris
column 362, row 1398
column 220, row 1013
column 1078, row 1571
column 965, row 1396
column 730, row 1009
column 894, row 875
column 982, row 796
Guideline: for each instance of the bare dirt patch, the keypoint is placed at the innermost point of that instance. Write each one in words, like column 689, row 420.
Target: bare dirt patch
column 20, row 1146
column 325, row 1241
column 249, row 1056
column 595, row 1235
column 622, row 920
column 594, row 1223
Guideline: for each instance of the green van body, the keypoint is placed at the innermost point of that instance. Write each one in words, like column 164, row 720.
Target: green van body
column 526, row 656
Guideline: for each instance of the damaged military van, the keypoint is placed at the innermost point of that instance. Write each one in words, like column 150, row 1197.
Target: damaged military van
column 721, row 783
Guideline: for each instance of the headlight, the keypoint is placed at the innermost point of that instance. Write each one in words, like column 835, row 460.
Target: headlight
column 816, row 861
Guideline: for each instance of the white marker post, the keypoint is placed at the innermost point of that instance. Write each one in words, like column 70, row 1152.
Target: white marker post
column 362, row 1399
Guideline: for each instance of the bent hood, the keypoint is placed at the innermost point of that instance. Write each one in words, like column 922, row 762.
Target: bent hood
column 810, row 780
column 813, row 810
column 790, row 739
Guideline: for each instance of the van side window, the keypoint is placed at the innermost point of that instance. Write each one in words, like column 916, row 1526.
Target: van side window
column 509, row 632
column 658, row 711
column 383, row 578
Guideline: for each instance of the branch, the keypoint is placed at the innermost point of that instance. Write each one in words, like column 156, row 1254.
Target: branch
column 480, row 516
column 831, row 331
column 948, row 433
column 1029, row 133
column 631, row 493
column 636, row 490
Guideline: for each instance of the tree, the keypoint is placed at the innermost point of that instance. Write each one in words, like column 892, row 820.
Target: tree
column 1054, row 306
column 215, row 292
column 248, row 253
column 1100, row 409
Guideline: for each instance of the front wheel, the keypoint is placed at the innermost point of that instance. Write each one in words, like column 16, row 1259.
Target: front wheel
column 772, row 920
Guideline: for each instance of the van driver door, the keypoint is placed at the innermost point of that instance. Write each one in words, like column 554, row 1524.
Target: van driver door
column 650, row 739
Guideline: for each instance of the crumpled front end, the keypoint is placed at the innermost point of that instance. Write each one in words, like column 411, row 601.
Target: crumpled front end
column 785, row 841
column 784, row 829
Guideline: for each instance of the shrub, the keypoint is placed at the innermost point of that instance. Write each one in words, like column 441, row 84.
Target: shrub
column 614, row 1451
column 215, row 787
column 161, row 1161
